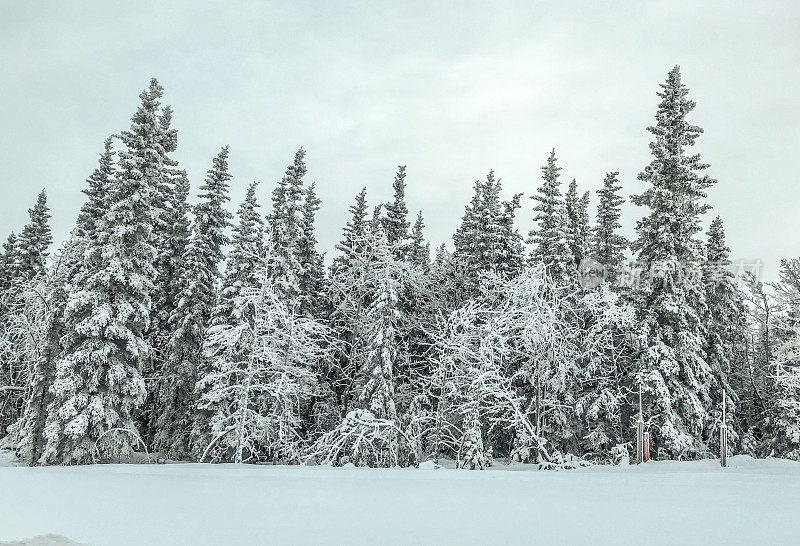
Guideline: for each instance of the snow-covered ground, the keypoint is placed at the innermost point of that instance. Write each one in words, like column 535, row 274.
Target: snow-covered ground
column 751, row 502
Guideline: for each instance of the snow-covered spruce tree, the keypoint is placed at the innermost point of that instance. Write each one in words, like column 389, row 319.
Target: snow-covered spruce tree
column 34, row 240
column 286, row 225
column 472, row 453
column 180, row 421
column 396, row 223
column 418, row 312
column 312, row 268
column 585, row 238
column 377, row 218
column 676, row 379
column 512, row 253
column 486, row 240
column 374, row 380
column 353, row 236
column 724, row 325
column 46, row 298
column 382, row 317
column 98, row 385
column 97, row 193
column 607, row 244
column 469, row 250
column 8, row 266
column 174, row 247
column 577, row 215
column 261, row 374
column 170, row 287
column 245, row 259
column 171, row 233
column 419, row 251
column 550, row 235
column 411, row 261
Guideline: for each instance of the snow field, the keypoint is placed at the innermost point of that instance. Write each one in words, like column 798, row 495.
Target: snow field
column 751, row 502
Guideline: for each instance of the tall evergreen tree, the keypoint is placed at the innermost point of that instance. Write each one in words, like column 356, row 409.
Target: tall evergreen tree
column 353, row 237
column 608, row 245
column 312, row 271
column 512, row 251
column 96, row 191
column 486, row 240
column 378, row 393
column 396, row 224
column 211, row 222
column 245, row 258
column 171, row 235
column 200, row 271
column 286, row 223
column 419, row 252
column 170, row 287
column 586, row 236
column 550, row 236
column 52, row 295
column 98, row 384
column 676, row 379
column 723, row 301
column 725, row 320
column 34, row 240
column 8, row 264
column 577, row 215
column 351, row 292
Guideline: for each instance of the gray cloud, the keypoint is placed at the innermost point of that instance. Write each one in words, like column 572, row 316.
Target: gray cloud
column 451, row 90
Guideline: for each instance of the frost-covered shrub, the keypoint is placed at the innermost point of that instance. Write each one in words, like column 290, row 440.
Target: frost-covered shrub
column 360, row 439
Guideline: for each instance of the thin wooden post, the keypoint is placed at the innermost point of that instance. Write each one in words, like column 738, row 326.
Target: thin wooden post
column 723, row 434
column 640, row 432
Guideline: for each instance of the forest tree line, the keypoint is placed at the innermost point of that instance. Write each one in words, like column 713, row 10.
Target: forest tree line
column 195, row 334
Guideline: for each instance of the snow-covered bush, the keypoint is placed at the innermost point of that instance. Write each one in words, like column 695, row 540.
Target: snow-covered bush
column 360, row 439
column 262, row 373
column 607, row 341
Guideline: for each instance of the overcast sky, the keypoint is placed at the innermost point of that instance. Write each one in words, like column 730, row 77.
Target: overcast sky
column 449, row 89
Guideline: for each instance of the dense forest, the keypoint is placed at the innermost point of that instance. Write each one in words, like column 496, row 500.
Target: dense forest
column 191, row 333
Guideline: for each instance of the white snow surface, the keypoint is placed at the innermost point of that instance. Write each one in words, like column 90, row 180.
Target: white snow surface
column 752, row 501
